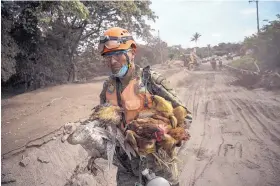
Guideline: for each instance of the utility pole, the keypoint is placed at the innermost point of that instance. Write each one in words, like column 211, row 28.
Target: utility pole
column 257, row 5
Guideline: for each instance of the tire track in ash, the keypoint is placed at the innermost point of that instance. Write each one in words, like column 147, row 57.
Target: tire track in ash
column 207, row 165
column 270, row 109
column 239, row 153
column 272, row 119
column 196, row 94
column 195, row 101
column 268, row 112
column 232, row 133
column 188, row 91
column 204, row 126
column 260, row 131
column 269, row 139
column 243, row 118
column 205, row 99
column 266, row 122
column 271, row 151
column 205, row 153
column 200, row 153
column 229, row 114
column 246, row 159
column 189, row 152
column 255, row 115
column 264, row 153
column 193, row 97
column 227, row 94
column 190, row 96
column 219, row 144
column 265, row 102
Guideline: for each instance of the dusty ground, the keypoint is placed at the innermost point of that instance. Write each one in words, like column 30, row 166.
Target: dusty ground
column 235, row 134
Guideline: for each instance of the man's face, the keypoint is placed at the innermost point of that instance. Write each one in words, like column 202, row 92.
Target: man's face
column 115, row 62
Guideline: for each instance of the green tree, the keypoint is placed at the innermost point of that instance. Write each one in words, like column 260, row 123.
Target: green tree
column 266, row 44
column 195, row 37
column 9, row 48
column 52, row 36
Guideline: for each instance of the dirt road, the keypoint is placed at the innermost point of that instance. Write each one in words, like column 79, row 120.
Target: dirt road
column 235, row 136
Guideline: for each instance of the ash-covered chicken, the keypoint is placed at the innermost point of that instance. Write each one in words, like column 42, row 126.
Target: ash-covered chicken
column 153, row 129
column 160, row 107
column 159, row 137
column 158, row 126
column 146, row 135
column 173, row 138
column 108, row 114
column 180, row 113
column 99, row 134
column 142, row 135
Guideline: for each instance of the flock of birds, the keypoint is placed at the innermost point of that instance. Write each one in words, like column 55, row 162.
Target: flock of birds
column 159, row 128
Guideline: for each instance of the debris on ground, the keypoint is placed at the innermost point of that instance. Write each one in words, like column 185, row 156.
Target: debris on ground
column 43, row 159
column 25, row 161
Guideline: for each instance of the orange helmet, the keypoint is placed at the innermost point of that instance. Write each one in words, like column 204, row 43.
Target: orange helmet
column 115, row 39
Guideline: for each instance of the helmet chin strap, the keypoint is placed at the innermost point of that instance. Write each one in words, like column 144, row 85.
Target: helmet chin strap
column 127, row 61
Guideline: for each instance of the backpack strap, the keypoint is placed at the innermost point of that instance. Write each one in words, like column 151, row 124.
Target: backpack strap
column 119, row 99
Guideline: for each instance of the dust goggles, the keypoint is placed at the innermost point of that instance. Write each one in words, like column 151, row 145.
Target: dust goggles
column 117, row 55
column 112, row 42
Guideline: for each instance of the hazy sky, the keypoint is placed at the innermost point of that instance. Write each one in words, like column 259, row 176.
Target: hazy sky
column 216, row 21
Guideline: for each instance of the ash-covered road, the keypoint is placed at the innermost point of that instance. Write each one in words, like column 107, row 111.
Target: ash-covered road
column 235, row 135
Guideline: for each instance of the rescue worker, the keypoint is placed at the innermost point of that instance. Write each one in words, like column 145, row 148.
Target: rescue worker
column 131, row 88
